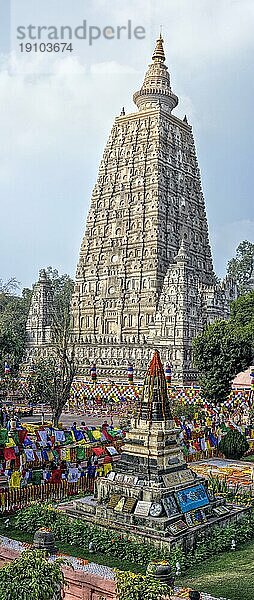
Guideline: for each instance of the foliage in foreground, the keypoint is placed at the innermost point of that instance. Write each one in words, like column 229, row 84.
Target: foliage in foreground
column 31, row 576
column 80, row 533
column 132, row 586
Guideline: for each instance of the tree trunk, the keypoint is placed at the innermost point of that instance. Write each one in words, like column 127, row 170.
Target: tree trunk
column 56, row 414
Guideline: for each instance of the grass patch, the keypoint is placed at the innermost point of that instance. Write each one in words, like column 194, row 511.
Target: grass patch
column 229, row 575
column 249, row 458
column 16, row 534
column 71, row 550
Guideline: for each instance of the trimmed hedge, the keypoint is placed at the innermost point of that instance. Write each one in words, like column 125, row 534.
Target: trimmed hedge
column 80, row 533
column 31, row 576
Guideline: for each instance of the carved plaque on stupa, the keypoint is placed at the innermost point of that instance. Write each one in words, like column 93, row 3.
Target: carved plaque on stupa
column 130, row 480
column 185, row 475
column 129, row 505
column 170, row 506
column 142, row 509
column 171, row 479
column 120, row 505
column 178, row 527
column 114, row 500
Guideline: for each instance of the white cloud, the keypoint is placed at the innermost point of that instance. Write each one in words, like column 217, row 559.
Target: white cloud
column 39, row 112
column 111, row 67
column 199, row 29
column 193, row 30
column 53, row 130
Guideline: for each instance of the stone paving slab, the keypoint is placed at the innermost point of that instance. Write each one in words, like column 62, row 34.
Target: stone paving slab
column 179, row 595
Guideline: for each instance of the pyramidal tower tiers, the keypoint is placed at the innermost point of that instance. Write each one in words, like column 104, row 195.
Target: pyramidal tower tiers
column 145, row 276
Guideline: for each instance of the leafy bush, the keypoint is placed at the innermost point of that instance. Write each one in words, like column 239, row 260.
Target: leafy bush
column 233, row 444
column 131, row 586
column 80, row 533
column 31, row 576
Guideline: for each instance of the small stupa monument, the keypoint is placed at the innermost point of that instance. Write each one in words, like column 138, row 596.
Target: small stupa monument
column 151, row 491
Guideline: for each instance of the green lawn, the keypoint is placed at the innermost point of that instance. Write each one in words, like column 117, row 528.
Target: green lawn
column 228, row 575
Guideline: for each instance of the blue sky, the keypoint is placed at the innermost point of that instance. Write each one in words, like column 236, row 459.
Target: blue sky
column 56, row 112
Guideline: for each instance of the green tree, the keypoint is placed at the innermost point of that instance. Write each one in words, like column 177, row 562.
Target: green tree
column 233, row 444
column 241, row 268
column 51, row 378
column 31, row 576
column 225, row 348
column 9, row 386
column 13, row 315
column 220, row 352
column 242, row 313
column 50, row 381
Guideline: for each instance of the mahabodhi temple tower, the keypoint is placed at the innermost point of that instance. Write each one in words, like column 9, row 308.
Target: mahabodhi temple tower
column 145, row 276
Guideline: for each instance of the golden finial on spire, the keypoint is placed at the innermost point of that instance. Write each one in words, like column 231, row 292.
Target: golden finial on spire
column 158, row 54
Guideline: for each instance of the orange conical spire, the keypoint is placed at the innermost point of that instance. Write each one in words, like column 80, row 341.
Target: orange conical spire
column 159, row 55
column 155, row 368
column 154, row 404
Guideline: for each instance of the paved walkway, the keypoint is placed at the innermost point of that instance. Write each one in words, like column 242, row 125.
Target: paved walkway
column 90, row 568
column 68, row 418
column 77, row 564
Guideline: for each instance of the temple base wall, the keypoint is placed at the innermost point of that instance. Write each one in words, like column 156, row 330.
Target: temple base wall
column 185, row 540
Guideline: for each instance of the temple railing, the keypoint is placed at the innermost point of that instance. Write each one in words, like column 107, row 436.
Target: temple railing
column 202, row 455
column 12, row 499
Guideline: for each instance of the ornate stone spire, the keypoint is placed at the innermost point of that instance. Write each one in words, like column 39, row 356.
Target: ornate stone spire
column 147, row 198
column 159, row 54
column 154, row 404
column 156, row 89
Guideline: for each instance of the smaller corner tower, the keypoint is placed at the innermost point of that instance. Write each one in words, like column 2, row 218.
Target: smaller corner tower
column 39, row 321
